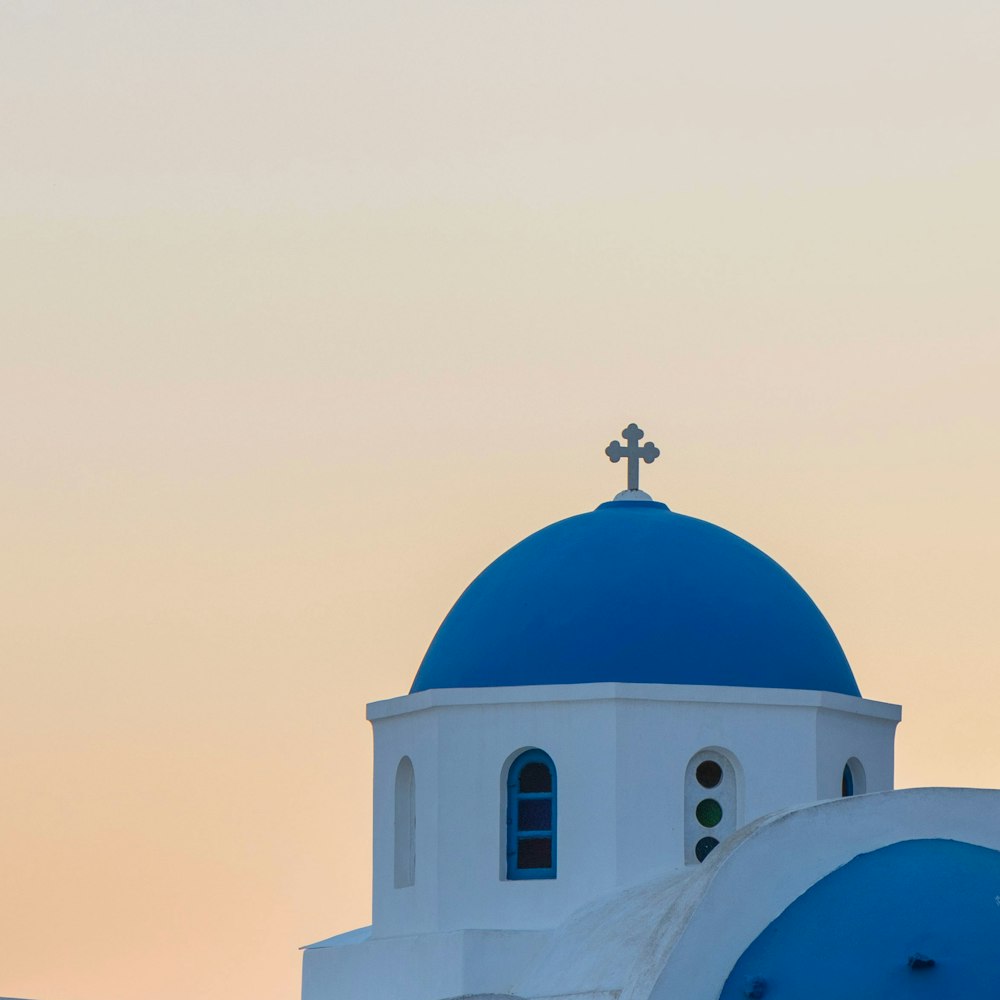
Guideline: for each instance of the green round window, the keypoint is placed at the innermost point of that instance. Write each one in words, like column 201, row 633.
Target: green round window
column 709, row 812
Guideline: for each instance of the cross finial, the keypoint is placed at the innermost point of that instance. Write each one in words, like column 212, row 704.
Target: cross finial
column 633, row 452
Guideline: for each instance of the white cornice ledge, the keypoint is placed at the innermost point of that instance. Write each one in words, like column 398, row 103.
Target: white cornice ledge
column 615, row 691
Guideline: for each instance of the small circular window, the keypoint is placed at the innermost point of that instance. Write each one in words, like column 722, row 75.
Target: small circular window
column 704, row 847
column 709, row 812
column 708, row 774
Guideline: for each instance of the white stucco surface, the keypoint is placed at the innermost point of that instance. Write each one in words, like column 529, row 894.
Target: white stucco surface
column 753, row 877
column 673, row 937
column 622, row 754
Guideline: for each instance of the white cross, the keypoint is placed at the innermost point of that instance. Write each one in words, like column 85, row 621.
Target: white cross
column 648, row 453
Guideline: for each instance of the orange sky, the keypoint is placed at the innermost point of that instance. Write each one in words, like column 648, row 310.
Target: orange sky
column 309, row 310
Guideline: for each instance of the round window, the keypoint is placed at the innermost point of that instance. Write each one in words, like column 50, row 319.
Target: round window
column 708, row 812
column 704, row 847
column 708, row 773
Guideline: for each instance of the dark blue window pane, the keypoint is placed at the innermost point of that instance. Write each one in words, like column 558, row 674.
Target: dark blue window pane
column 704, row 847
column 847, row 782
column 534, row 814
column 535, row 778
column 534, row 852
column 709, row 774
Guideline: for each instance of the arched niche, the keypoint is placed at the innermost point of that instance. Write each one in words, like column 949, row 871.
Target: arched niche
column 405, row 826
column 711, row 802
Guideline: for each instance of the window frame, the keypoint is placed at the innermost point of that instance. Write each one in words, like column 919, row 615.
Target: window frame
column 514, row 797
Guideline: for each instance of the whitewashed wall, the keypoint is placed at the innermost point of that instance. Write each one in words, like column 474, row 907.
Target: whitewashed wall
column 621, row 752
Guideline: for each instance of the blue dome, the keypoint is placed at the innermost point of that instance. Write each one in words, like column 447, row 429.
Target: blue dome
column 915, row 919
column 634, row 592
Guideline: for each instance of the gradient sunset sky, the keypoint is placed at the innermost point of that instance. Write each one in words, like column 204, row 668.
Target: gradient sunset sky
column 309, row 310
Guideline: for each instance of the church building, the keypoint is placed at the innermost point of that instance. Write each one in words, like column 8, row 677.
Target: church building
column 635, row 764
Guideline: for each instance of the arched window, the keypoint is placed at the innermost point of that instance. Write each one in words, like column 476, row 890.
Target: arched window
column 405, row 825
column 852, row 780
column 710, row 803
column 531, row 816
